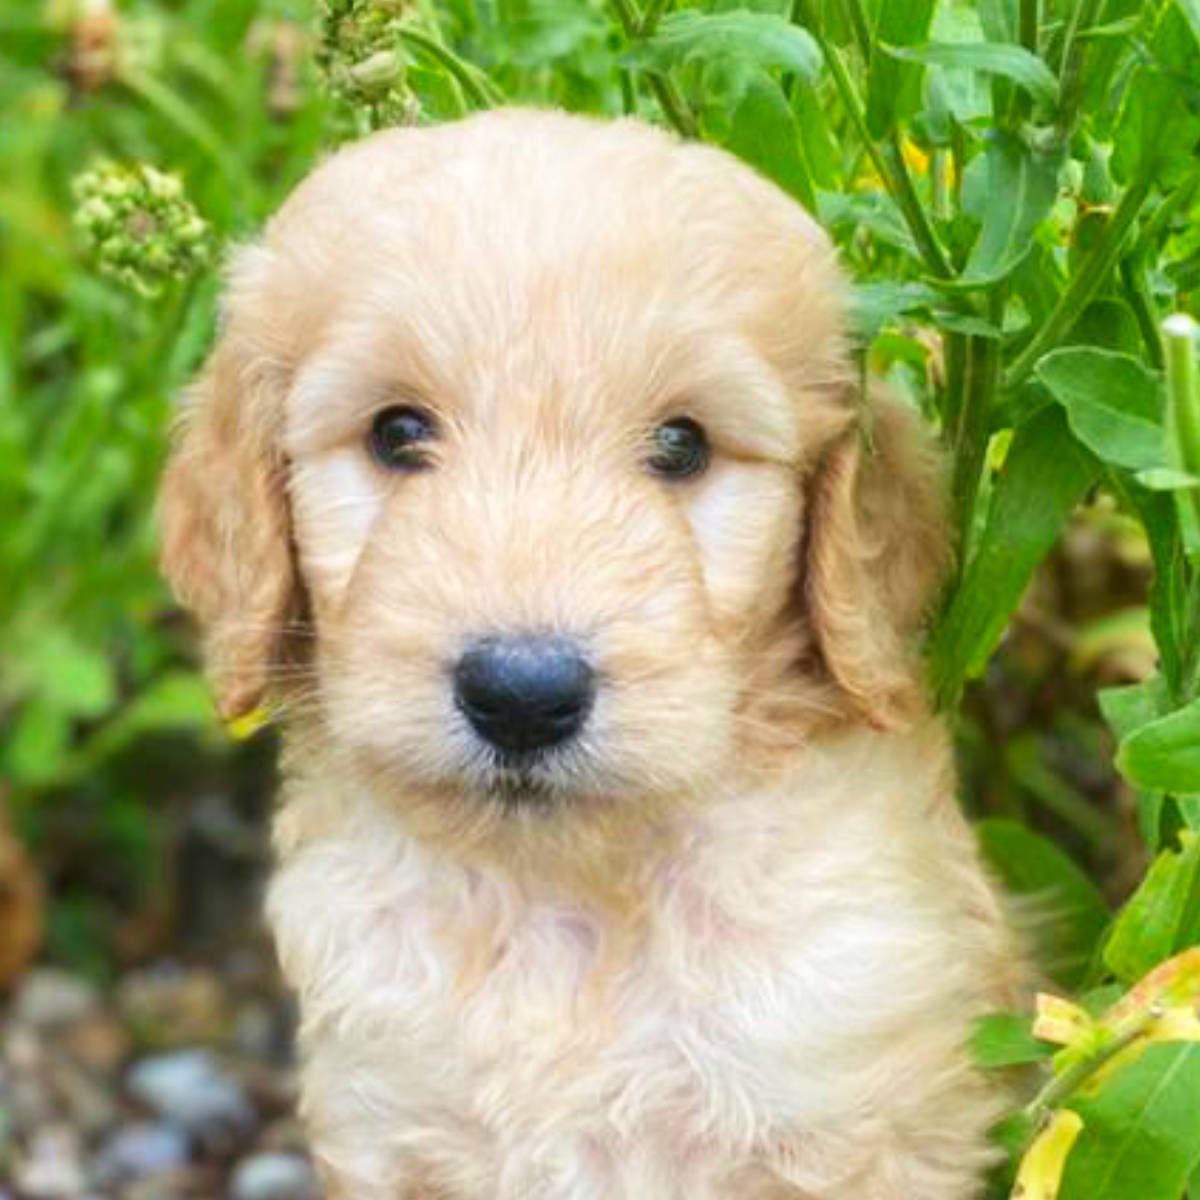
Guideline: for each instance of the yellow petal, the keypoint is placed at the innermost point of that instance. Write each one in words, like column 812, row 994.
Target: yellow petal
column 1175, row 1025
column 1171, row 984
column 248, row 724
column 1042, row 1167
column 1060, row 1021
column 914, row 156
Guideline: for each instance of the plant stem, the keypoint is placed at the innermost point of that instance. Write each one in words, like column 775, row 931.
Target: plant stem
column 860, row 27
column 1020, row 102
column 650, row 17
column 898, row 180
column 905, row 195
column 1027, row 29
column 195, row 128
column 1179, row 340
column 1062, row 1086
column 474, row 83
column 1137, row 292
column 628, row 96
column 1083, row 284
column 673, row 105
column 1179, row 197
column 1183, row 419
column 1070, row 80
column 939, row 187
column 981, row 375
column 887, row 159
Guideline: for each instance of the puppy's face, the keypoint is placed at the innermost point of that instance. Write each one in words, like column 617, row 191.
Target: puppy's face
column 545, row 430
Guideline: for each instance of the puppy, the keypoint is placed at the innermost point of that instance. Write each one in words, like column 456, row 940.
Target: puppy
column 618, row 852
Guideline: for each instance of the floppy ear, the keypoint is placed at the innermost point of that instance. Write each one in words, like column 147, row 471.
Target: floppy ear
column 877, row 548
column 226, row 547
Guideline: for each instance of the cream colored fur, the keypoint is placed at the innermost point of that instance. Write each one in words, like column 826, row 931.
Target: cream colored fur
column 736, row 946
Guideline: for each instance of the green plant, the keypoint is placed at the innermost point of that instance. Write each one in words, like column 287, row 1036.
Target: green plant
column 1015, row 188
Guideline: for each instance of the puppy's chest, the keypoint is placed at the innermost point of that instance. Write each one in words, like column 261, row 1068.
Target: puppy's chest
column 701, row 1012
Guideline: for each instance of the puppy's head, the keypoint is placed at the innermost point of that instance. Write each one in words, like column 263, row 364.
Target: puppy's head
column 542, row 434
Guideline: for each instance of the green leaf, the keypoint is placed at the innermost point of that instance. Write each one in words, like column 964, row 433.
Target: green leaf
column 821, row 152
column 1162, row 917
column 866, row 212
column 177, row 701
column 1165, row 753
column 973, row 326
column 1189, row 810
column 894, row 87
column 881, row 301
column 999, row 20
column 545, row 32
column 1006, row 1040
column 1159, row 124
column 1016, row 63
column 1045, row 473
column 1114, row 405
column 35, row 744
column 1191, row 13
column 1141, row 1131
column 763, row 132
column 763, row 39
column 1072, row 912
column 1022, row 185
column 1169, row 585
column 1129, row 708
column 67, row 674
column 1167, row 479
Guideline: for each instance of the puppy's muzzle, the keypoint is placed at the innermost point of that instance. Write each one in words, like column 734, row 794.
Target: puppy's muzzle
column 525, row 693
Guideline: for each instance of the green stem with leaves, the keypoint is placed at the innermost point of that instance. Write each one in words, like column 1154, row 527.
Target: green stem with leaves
column 980, row 380
column 1136, row 286
column 672, row 103
column 1020, row 102
column 187, row 121
column 1084, row 283
column 1183, row 421
column 1070, row 78
column 475, row 84
column 857, row 19
column 1177, row 200
column 650, row 17
column 1075, row 1076
column 888, row 159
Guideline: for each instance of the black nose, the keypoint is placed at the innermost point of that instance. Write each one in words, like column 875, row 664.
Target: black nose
column 524, row 693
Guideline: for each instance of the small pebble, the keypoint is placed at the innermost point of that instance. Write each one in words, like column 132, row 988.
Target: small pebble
column 166, row 1006
column 187, row 1088
column 98, row 1042
column 50, row 998
column 141, row 1150
column 53, row 1169
column 275, row 1177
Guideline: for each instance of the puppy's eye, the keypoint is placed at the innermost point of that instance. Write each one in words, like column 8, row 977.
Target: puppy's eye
column 398, row 437
column 680, row 449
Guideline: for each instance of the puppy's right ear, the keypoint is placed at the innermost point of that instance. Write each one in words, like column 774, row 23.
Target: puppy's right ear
column 226, row 544
column 877, row 549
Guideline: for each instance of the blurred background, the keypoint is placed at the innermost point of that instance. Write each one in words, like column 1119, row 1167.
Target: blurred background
column 145, row 1049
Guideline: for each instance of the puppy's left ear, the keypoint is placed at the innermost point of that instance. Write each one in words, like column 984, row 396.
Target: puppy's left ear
column 877, row 548
column 226, row 543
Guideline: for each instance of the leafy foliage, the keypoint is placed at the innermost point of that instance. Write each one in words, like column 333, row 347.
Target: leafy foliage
column 1014, row 186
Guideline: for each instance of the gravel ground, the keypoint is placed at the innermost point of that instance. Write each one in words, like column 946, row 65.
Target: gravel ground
column 177, row 1082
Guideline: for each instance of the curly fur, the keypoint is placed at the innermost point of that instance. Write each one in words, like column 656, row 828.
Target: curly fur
column 734, row 947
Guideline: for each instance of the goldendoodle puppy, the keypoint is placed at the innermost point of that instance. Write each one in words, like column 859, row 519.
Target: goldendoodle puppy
column 618, row 851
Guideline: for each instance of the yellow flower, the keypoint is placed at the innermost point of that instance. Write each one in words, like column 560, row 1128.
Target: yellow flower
column 1041, row 1172
column 248, row 724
